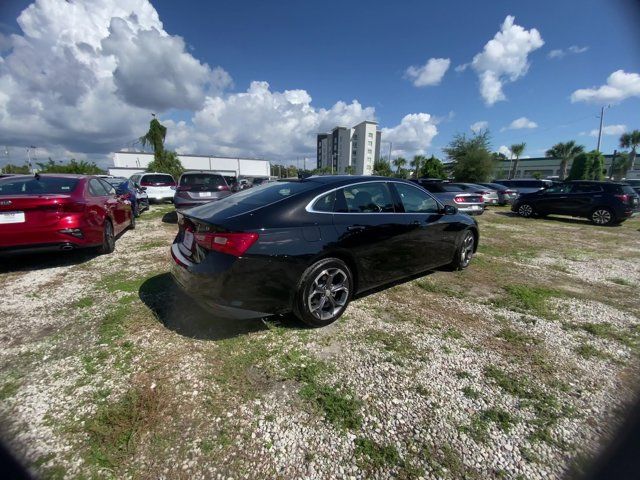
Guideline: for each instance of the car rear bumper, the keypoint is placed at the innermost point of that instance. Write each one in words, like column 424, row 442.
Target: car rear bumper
column 471, row 209
column 43, row 248
column 206, row 285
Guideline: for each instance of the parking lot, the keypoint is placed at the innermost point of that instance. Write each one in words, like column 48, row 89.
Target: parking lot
column 518, row 366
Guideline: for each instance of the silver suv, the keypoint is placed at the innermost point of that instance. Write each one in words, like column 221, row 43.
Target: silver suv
column 196, row 188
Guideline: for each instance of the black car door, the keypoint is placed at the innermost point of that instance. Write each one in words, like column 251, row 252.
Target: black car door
column 553, row 199
column 368, row 226
column 582, row 198
column 427, row 231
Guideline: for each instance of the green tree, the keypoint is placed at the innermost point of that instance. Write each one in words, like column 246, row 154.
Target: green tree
column 631, row 140
column 471, row 157
column 399, row 163
column 416, row 164
column 580, row 168
column 350, row 170
column 516, row 150
column 595, row 159
column 620, row 165
column 322, row 171
column 154, row 138
column 82, row 167
column 432, row 168
column 565, row 152
column 382, row 168
column 166, row 162
column 16, row 169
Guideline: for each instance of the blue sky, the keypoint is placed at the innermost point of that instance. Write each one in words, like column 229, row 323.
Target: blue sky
column 345, row 51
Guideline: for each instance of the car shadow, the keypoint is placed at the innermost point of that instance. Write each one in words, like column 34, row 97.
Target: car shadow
column 170, row 217
column 179, row 313
column 556, row 218
column 26, row 262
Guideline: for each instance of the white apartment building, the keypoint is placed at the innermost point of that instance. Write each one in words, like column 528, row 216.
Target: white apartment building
column 350, row 149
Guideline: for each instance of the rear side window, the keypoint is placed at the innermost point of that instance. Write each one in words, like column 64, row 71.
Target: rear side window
column 367, row 198
column 415, row 200
column 37, row 186
column 108, row 187
column 585, row 188
column 325, row 203
column 202, row 180
column 96, row 188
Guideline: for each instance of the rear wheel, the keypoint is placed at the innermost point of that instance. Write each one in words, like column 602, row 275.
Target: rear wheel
column 132, row 225
column 525, row 210
column 108, row 238
column 324, row 292
column 465, row 251
column 603, row 216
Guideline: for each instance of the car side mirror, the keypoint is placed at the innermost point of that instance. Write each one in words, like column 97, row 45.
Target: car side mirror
column 449, row 210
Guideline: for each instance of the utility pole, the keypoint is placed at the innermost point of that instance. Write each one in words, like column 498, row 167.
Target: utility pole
column 390, row 145
column 29, row 157
column 600, row 129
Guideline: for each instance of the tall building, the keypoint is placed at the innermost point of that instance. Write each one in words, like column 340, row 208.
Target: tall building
column 346, row 150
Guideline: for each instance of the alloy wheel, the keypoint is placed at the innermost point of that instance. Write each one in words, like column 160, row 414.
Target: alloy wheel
column 525, row 210
column 602, row 216
column 109, row 240
column 329, row 293
column 466, row 252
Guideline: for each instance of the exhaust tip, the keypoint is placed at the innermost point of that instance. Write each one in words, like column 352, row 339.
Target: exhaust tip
column 66, row 247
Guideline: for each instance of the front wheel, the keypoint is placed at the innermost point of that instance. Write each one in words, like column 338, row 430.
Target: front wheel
column 525, row 210
column 324, row 292
column 465, row 252
column 603, row 216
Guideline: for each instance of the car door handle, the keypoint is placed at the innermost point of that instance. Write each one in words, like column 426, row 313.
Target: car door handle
column 355, row 228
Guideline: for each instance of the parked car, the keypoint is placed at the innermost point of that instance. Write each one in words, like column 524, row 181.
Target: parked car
column 60, row 212
column 308, row 246
column 635, row 184
column 243, row 184
column 232, row 181
column 129, row 190
column 604, row 203
column 506, row 195
column 196, row 188
column 489, row 195
column 448, row 194
column 161, row 187
column 526, row 185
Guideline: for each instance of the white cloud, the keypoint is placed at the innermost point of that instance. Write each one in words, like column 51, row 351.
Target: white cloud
column 461, row 68
column 615, row 130
column 559, row 53
column 430, row 73
column 505, row 151
column 504, row 59
column 620, row 86
column 478, row 126
column 520, row 123
column 413, row 135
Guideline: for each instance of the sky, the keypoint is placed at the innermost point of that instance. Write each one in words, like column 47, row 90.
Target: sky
column 261, row 79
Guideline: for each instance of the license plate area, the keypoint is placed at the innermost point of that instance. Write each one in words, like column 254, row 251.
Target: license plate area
column 12, row 217
column 205, row 194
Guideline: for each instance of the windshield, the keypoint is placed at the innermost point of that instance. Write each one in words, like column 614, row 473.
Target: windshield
column 37, row 186
column 159, row 180
column 203, row 180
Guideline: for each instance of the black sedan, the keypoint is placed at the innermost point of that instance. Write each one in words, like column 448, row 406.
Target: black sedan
column 308, row 246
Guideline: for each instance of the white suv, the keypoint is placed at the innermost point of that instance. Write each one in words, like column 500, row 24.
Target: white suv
column 160, row 187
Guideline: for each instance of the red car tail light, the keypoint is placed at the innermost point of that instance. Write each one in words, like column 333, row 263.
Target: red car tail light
column 624, row 198
column 230, row 243
column 223, row 187
column 460, row 199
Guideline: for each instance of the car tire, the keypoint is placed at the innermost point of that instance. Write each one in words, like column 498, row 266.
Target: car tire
column 602, row 216
column 136, row 210
column 108, row 239
column 317, row 303
column 464, row 252
column 525, row 210
column 132, row 225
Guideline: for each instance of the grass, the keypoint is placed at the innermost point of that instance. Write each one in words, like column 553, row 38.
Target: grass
column 373, row 456
column 338, row 404
column 621, row 281
column 154, row 244
column 84, row 302
column 452, row 333
column 445, row 462
column 432, row 287
column 628, row 337
column 546, row 406
column 9, row 388
column 516, row 337
column 528, row 299
column 588, row 351
column 470, row 393
column 122, row 282
column 395, row 343
column 116, row 428
column 478, row 429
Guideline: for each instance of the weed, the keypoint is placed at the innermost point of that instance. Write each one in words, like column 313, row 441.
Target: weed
column 461, row 374
column 588, row 351
column 84, row 302
column 478, row 429
column 373, row 456
column 471, row 393
column 399, row 344
column 621, row 281
column 526, row 299
column 516, row 337
column 452, row 332
column 9, row 388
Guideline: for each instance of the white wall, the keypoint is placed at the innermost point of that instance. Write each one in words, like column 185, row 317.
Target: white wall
column 223, row 165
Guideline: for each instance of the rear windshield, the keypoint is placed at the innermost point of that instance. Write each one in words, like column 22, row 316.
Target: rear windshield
column 628, row 190
column 165, row 179
column 202, row 180
column 449, row 188
column 35, row 186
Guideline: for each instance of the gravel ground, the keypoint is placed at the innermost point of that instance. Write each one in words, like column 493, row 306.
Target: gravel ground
column 519, row 367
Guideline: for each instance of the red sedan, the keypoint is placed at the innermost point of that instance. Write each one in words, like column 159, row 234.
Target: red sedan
column 60, row 212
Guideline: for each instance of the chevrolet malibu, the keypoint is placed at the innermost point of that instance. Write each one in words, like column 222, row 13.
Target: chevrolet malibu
column 308, row 246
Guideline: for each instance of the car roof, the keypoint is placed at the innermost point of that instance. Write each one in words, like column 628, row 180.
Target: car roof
column 54, row 175
column 596, row 182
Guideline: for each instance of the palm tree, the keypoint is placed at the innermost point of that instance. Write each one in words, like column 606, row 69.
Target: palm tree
column 416, row 163
column 516, row 150
column 631, row 140
column 155, row 137
column 399, row 163
column 565, row 152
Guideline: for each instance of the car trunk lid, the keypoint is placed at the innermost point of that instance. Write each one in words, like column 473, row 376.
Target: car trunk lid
column 36, row 210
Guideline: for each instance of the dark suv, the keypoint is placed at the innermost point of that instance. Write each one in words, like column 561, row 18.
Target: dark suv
column 525, row 185
column 604, row 203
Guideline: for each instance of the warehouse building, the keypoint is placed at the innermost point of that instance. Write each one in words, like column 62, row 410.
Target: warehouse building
column 126, row 164
column 541, row 166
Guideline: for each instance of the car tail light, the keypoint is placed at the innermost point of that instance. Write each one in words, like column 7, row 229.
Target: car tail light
column 73, row 207
column 231, row 243
column 223, row 187
column 624, row 198
column 460, row 199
